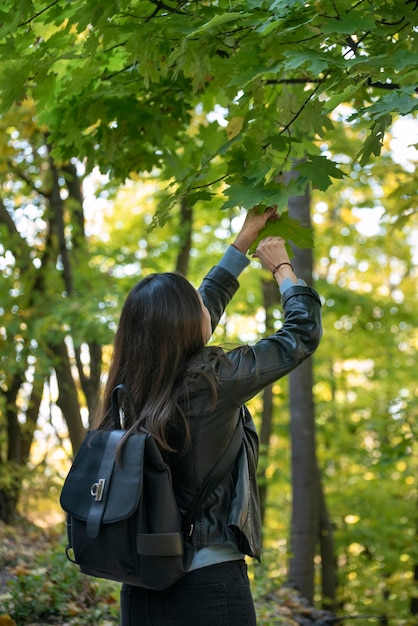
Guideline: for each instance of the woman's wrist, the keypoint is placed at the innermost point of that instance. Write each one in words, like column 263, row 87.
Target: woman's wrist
column 243, row 241
column 283, row 271
column 277, row 267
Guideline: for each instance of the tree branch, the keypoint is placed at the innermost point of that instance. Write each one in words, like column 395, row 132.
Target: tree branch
column 161, row 6
column 6, row 219
column 355, row 6
column 292, row 81
column 122, row 71
column 306, row 79
column 388, row 86
column 26, row 179
column 308, row 99
column 212, row 182
column 38, row 14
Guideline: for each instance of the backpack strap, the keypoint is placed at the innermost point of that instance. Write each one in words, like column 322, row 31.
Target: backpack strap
column 116, row 409
column 101, row 492
column 214, row 478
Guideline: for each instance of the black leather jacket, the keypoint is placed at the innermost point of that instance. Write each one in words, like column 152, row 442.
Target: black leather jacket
column 232, row 511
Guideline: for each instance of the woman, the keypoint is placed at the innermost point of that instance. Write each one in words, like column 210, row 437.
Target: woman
column 191, row 398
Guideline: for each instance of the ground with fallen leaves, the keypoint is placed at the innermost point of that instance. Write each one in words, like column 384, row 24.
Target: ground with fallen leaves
column 21, row 545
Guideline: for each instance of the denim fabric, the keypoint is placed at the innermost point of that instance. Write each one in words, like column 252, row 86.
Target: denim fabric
column 218, row 595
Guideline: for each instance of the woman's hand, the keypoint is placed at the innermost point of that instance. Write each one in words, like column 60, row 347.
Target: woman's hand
column 254, row 223
column 272, row 253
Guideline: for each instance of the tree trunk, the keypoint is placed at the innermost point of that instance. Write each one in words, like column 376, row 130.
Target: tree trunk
column 58, row 223
column 310, row 522
column 185, row 230
column 10, row 482
column 90, row 383
column 8, row 505
column 32, row 413
column 68, row 397
column 265, row 433
column 19, row 441
column 414, row 597
column 327, row 551
column 305, row 481
column 271, row 298
column 75, row 192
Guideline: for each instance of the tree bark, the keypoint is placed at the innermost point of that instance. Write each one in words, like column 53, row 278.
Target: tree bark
column 75, row 193
column 19, row 441
column 185, row 230
column 310, row 522
column 305, row 507
column 57, row 220
column 414, row 597
column 67, row 398
column 271, row 298
column 90, row 383
column 327, row 551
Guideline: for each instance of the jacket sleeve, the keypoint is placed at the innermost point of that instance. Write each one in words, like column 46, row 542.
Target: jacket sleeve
column 246, row 370
column 217, row 290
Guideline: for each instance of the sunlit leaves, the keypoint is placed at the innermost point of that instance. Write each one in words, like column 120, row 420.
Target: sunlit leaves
column 234, row 127
column 117, row 84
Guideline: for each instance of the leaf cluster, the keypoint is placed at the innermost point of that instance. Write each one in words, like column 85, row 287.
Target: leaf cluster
column 133, row 86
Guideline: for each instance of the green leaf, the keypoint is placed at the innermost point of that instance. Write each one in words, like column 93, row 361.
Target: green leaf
column 312, row 116
column 247, row 195
column 243, row 195
column 280, row 143
column 13, row 81
column 374, row 141
column 404, row 58
column 219, row 20
column 314, row 61
column 341, row 96
column 349, row 24
column 286, row 5
column 401, row 101
column 288, row 228
column 319, row 170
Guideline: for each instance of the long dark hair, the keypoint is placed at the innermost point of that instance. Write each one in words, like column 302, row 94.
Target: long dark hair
column 160, row 329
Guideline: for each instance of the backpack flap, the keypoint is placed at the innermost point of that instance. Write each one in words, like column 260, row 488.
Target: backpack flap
column 98, row 490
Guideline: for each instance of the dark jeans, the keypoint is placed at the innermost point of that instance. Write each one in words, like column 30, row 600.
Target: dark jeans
column 218, row 595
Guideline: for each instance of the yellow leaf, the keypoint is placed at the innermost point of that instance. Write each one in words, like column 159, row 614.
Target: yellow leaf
column 73, row 609
column 6, row 620
column 20, row 570
column 234, row 127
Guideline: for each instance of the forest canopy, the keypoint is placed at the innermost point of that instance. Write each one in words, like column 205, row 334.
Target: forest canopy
column 132, row 86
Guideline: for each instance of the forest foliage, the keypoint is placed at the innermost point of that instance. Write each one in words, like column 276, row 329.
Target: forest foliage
column 119, row 84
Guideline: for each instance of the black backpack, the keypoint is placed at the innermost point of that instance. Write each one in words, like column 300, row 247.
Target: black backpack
column 123, row 522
